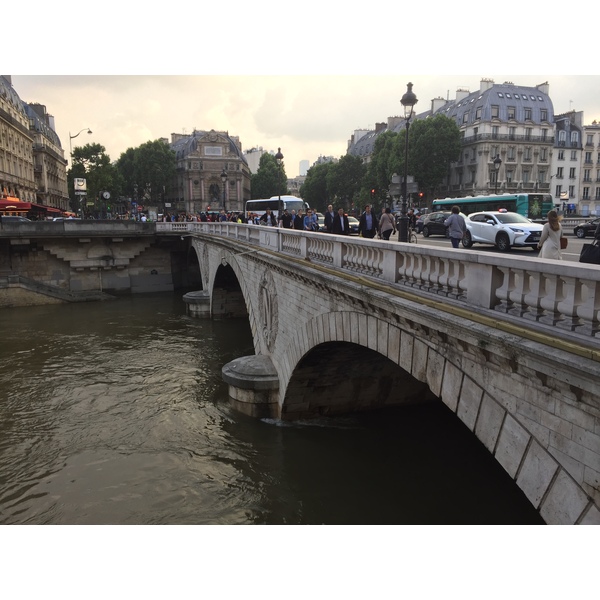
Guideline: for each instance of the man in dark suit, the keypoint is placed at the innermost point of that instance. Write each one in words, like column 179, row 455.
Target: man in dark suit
column 329, row 216
column 286, row 220
column 340, row 224
column 367, row 226
column 298, row 222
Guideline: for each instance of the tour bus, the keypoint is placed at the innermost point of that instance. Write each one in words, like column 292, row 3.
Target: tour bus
column 531, row 206
column 258, row 207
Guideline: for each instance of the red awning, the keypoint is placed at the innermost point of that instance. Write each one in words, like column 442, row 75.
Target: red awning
column 15, row 204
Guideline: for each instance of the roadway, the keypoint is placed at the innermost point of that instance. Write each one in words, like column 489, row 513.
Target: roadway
column 570, row 254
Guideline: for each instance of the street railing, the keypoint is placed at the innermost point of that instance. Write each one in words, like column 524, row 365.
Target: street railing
column 560, row 295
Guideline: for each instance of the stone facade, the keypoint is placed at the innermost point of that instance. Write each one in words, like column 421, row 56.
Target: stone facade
column 204, row 158
column 535, row 408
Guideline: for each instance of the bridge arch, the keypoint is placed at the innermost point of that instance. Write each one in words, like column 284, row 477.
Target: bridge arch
column 422, row 370
column 472, row 357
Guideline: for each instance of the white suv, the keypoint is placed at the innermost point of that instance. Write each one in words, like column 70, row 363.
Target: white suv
column 502, row 229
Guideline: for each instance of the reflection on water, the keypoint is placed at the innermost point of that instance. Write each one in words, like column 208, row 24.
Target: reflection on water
column 115, row 412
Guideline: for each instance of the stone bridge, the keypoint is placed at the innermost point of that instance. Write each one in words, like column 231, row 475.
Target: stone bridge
column 510, row 345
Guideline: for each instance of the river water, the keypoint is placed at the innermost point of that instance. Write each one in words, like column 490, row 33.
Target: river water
column 115, row 413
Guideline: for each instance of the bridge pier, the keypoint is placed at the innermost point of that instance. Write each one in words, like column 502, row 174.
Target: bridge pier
column 253, row 385
column 198, row 304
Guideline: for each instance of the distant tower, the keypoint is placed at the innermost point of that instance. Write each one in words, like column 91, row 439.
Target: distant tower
column 304, row 164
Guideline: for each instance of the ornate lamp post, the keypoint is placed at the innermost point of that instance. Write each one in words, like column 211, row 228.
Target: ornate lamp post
column 279, row 159
column 408, row 101
column 224, row 180
column 497, row 163
column 72, row 137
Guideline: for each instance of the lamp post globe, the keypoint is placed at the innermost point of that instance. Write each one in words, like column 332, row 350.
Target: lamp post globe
column 408, row 101
column 279, row 159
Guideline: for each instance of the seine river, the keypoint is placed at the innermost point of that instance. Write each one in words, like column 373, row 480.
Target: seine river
column 115, row 413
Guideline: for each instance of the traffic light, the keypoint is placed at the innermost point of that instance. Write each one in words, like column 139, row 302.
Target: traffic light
column 373, row 193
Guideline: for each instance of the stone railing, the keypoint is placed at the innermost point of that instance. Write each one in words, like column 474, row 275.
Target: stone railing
column 562, row 297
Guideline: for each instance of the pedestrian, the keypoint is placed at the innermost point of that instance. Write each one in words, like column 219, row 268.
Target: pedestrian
column 329, row 216
column 340, row 224
column 268, row 218
column 456, row 226
column 387, row 225
column 549, row 244
column 367, row 226
column 286, row 220
column 298, row 221
column 311, row 223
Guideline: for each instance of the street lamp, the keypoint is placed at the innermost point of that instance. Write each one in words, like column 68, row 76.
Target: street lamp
column 497, row 163
column 279, row 159
column 224, row 180
column 72, row 137
column 408, row 101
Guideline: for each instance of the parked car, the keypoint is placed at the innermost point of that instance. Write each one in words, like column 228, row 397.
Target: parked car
column 419, row 223
column 501, row 229
column 433, row 223
column 354, row 223
column 13, row 219
column 587, row 228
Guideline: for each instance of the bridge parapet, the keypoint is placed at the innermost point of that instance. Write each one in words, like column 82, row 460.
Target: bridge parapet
column 550, row 294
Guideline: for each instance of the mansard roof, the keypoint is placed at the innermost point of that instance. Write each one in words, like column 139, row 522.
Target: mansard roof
column 188, row 144
column 465, row 110
column 503, row 96
column 11, row 96
column 40, row 125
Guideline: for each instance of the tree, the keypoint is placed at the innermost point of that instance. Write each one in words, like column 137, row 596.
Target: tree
column 147, row 171
column 433, row 144
column 314, row 189
column 93, row 164
column 387, row 159
column 269, row 180
column 344, row 179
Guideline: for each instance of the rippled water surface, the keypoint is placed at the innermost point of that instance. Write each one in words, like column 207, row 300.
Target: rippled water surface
column 115, row 413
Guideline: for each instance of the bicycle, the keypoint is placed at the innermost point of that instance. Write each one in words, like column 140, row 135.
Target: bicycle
column 412, row 236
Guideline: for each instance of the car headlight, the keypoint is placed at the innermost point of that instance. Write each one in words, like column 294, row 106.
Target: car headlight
column 517, row 230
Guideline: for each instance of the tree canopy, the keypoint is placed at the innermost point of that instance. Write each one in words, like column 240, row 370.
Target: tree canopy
column 270, row 179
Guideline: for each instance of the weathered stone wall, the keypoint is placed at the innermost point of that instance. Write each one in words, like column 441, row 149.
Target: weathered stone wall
column 534, row 407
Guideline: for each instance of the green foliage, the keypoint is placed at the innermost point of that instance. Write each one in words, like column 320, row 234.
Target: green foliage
column 147, row 171
column 433, row 144
column 93, row 164
column 270, row 179
column 334, row 183
column 314, row 189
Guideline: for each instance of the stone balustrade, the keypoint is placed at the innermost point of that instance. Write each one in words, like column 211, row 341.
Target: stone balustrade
column 561, row 295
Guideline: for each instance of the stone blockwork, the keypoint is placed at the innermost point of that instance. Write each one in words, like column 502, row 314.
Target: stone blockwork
column 535, row 408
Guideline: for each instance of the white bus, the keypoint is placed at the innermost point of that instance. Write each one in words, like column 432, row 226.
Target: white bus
column 258, row 207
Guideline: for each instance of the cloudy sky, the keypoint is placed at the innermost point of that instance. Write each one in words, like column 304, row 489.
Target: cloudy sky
column 302, row 79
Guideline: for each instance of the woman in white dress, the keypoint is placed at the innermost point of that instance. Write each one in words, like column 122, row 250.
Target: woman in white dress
column 549, row 243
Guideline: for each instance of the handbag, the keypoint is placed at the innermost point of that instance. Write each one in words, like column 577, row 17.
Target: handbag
column 564, row 242
column 590, row 253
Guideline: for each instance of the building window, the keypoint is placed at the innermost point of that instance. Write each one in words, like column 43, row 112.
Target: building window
column 588, row 157
column 509, row 175
column 527, row 154
column 544, row 115
column 495, row 111
column 562, row 137
column 528, row 131
column 590, row 140
column 544, row 154
column 572, row 173
column 466, row 117
column 495, row 132
column 512, row 133
column 544, row 135
column 558, row 191
column 573, row 154
column 559, row 173
column 512, row 111
column 528, row 114
column 574, row 138
column 478, row 113
column 586, row 193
